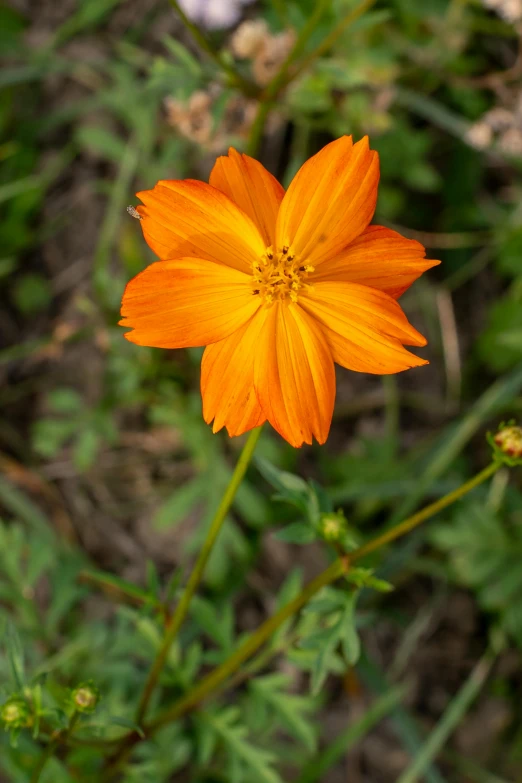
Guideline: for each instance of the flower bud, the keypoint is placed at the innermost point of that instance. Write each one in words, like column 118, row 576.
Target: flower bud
column 85, row 697
column 15, row 713
column 509, row 441
column 332, row 526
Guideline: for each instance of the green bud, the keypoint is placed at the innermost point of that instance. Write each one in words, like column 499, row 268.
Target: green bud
column 333, row 526
column 15, row 713
column 507, row 444
column 509, row 441
column 85, row 697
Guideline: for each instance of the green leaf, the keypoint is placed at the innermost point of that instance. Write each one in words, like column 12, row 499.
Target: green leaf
column 288, row 707
column 351, row 643
column 32, row 293
column 101, row 142
column 316, row 769
column 181, row 53
column 215, row 621
column 106, row 579
column 86, row 448
column 65, row 401
column 485, row 550
column 286, row 483
column 49, row 435
column 363, row 577
column 15, row 655
column 246, row 762
column 335, row 627
column 119, row 720
column 498, row 346
column 179, row 504
column 296, row 533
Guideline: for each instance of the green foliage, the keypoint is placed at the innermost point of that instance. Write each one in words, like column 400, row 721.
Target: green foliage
column 330, row 643
column 484, row 548
column 270, row 697
column 316, row 506
column 244, row 761
column 108, row 464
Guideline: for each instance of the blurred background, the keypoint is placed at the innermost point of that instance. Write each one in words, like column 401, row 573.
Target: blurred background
column 106, row 462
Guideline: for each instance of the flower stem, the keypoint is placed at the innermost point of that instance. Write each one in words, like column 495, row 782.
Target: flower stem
column 284, row 76
column 308, row 30
column 339, row 567
column 216, row 678
column 427, row 512
column 42, row 761
column 258, row 127
column 269, row 94
column 236, row 79
column 211, row 682
column 58, row 738
column 195, row 577
column 327, row 43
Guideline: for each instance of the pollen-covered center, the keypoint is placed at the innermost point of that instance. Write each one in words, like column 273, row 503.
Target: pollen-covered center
column 279, row 275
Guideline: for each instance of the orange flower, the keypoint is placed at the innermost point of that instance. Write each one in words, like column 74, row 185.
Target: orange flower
column 277, row 285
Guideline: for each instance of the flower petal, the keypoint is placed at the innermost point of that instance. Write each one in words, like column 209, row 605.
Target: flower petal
column 294, row 374
column 379, row 258
column 249, row 185
column 186, row 302
column 187, row 218
column 330, row 201
column 365, row 328
column 227, row 381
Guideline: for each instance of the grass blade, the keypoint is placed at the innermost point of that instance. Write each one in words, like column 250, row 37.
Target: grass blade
column 450, row 719
column 317, row 768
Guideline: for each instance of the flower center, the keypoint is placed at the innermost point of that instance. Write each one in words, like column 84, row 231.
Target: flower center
column 279, row 275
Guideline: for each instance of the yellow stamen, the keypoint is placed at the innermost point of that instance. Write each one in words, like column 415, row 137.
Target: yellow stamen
column 278, row 276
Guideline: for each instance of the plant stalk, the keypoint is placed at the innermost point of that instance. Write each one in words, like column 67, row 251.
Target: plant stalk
column 284, row 76
column 59, row 738
column 236, row 79
column 339, row 567
column 429, row 511
column 331, row 39
column 253, row 643
column 195, row 577
column 212, row 682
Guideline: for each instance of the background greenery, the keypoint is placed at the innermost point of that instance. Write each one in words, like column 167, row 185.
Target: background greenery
column 110, row 476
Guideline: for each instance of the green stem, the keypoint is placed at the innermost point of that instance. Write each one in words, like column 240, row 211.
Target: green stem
column 42, row 761
column 450, row 719
column 284, row 76
column 339, row 567
column 258, row 127
column 121, row 592
column 427, row 512
column 330, row 39
column 212, row 682
column 59, row 737
column 182, row 608
column 236, row 79
column 280, row 9
column 248, row 648
column 270, row 92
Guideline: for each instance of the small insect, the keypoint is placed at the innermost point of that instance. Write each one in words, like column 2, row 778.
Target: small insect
column 134, row 212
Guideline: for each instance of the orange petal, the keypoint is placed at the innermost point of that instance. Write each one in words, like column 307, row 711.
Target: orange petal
column 294, row 374
column 227, row 381
column 186, row 302
column 187, row 218
column 330, row 201
column 252, row 188
column 379, row 258
column 365, row 328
